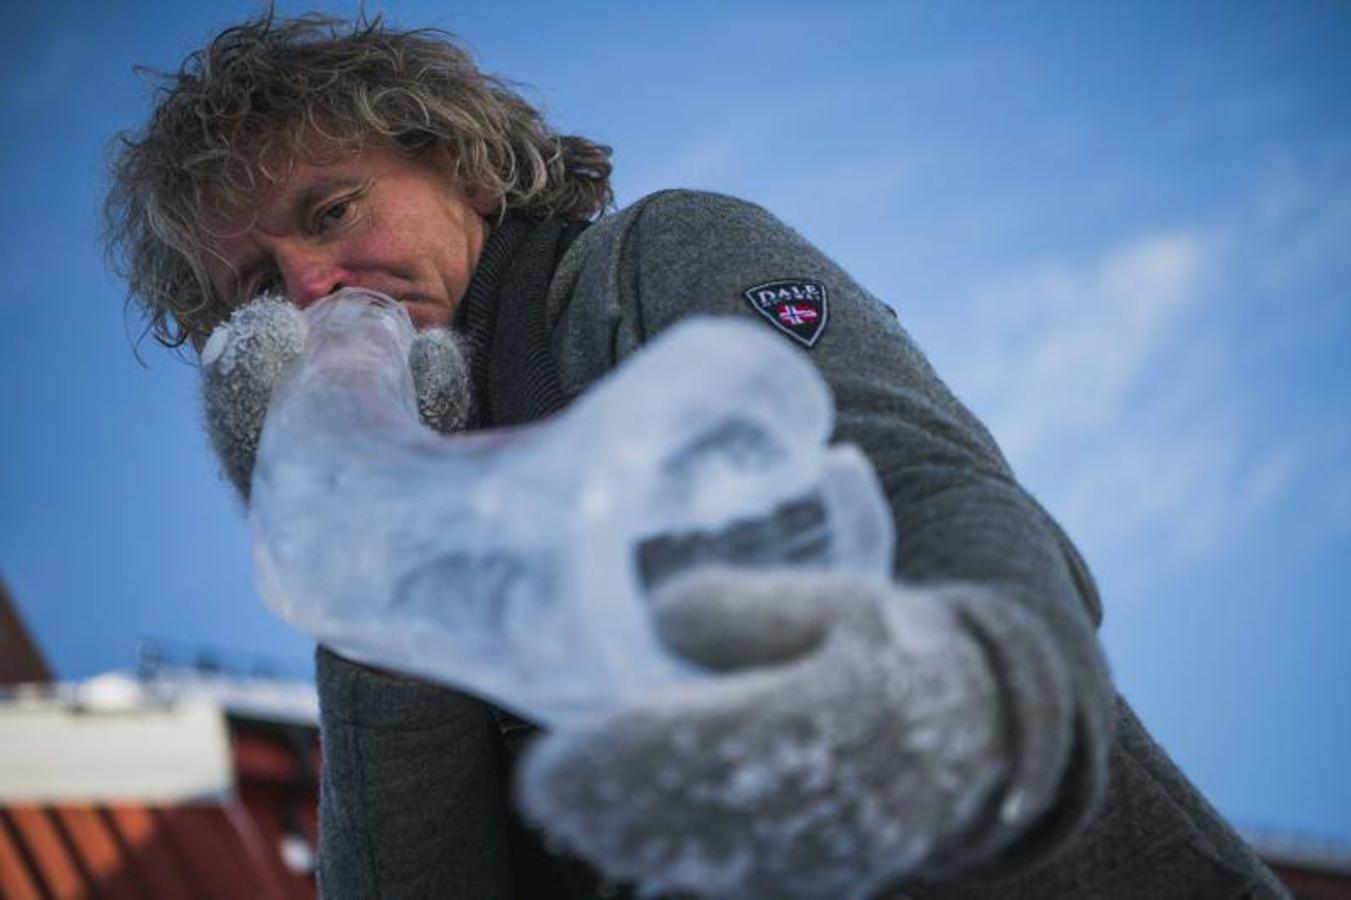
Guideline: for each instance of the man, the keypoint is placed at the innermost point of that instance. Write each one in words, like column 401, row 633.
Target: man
column 953, row 735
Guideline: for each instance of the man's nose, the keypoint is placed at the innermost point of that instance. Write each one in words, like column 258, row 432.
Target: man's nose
column 309, row 273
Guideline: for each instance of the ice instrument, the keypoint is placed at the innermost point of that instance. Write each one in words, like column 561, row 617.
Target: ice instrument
column 515, row 563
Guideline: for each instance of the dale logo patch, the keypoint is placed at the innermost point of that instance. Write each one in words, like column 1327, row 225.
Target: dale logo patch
column 795, row 306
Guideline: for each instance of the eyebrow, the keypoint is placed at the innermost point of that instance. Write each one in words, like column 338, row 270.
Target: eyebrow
column 319, row 190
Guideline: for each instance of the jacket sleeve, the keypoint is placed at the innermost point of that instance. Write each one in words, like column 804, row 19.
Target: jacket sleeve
column 962, row 521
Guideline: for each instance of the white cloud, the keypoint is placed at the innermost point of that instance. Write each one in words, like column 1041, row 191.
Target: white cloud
column 1300, row 218
column 1111, row 392
column 1057, row 351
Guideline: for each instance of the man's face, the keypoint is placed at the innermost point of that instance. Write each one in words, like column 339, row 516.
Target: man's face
column 375, row 219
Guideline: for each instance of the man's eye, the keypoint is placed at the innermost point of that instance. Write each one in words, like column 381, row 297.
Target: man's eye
column 334, row 213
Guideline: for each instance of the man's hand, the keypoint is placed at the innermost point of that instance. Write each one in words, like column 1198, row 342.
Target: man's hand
column 241, row 363
column 852, row 731
column 440, row 367
column 245, row 357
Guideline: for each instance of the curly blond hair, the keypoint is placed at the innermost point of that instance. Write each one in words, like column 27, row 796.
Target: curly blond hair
column 241, row 110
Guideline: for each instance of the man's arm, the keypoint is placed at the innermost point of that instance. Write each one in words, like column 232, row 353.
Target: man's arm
column 962, row 521
column 961, row 518
column 983, row 574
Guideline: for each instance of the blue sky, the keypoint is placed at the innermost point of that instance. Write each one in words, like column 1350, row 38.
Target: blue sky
column 1122, row 233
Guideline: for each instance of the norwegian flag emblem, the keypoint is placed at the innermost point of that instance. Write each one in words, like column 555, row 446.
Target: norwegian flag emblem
column 790, row 314
column 795, row 306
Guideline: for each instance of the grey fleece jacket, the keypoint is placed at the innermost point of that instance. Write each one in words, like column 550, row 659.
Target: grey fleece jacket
column 1118, row 820
column 1122, row 821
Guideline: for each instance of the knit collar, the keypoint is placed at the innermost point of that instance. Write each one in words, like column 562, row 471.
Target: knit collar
column 502, row 318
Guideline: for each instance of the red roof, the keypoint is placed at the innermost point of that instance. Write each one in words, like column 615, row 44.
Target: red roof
column 20, row 659
column 140, row 852
column 213, row 851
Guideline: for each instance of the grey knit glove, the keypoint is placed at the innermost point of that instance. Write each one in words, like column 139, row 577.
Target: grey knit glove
column 857, row 733
column 244, row 357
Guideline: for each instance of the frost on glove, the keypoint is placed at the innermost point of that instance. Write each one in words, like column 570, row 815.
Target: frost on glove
column 241, row 362
column 855, row 733
column 244, row 358
column 440, row 366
